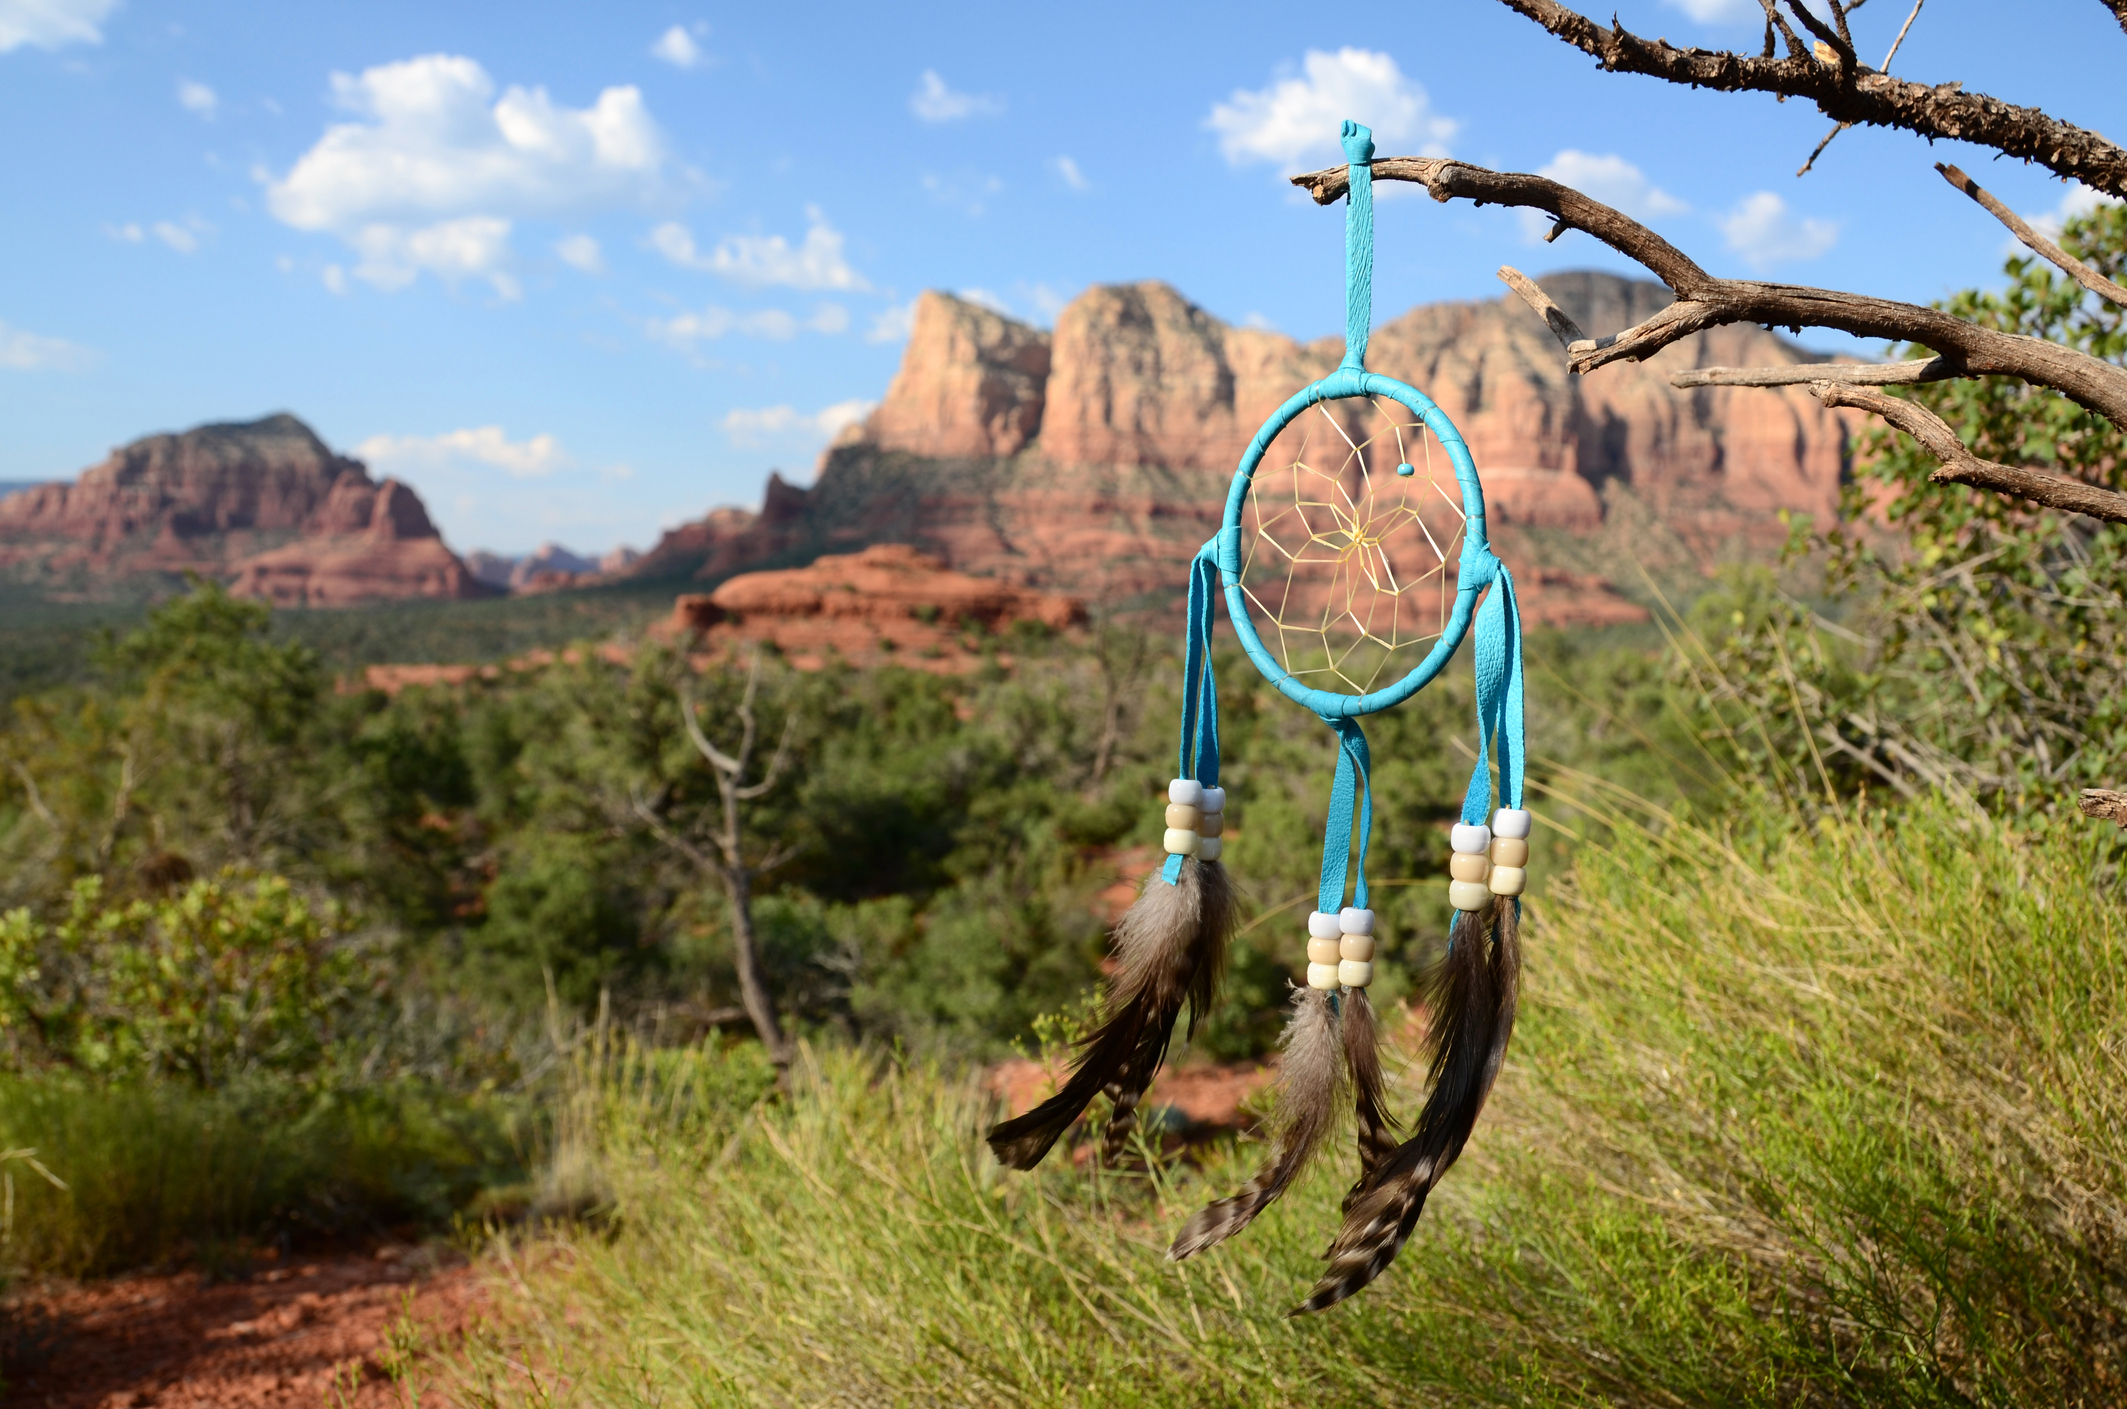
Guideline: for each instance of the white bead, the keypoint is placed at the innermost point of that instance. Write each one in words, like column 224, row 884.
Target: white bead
column 1470, row 839
column 1322, row 925
column 1322, row 976
column 1181, row 841
column 1358, row 947
column 1181, row 814
column 1464, row 867
column 1508, row 851
column 1208, row 848
column 1323, row 951
column 1214, row 800
column 1210, row 824
column 1509, row 880
column 1511, row 822
column 1186, row 790
column 1469, row 895
column 1352, row 920
column 1355, row 973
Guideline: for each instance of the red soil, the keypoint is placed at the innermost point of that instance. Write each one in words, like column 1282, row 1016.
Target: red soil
column 311, row 1333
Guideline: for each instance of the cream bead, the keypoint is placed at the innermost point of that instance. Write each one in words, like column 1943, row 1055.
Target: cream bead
column 1322, row 976
column 1469, row 839
column 1322, row 925
column 1354, row 973
column 1180, row 841
column 1464, row 867
column 1511, row 823
column 1186, row 790
column 1323, row 951
column 1210, row 824
column 1182, row 815
column 1508, row 880
column 1469, row 895
column 1208, row 848
column 1357, row 947
column 1509, row 851
column 1214, row 800
column 1352, row 920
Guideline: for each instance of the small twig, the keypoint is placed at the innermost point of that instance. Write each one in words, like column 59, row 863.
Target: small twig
column 1922, row 369
column 1563, row 327
column 2082, row 273
column 29, row 786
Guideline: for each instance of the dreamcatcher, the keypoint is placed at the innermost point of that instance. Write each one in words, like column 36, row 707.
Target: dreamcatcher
column 1342, row 535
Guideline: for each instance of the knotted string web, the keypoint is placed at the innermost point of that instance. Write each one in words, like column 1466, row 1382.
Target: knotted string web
column 1353, row 524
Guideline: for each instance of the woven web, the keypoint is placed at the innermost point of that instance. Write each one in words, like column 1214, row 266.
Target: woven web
column 1347, row 564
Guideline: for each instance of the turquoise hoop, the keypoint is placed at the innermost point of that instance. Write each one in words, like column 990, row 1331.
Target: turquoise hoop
column 1476, row 567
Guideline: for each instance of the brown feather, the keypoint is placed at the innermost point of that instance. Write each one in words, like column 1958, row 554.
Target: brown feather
column 1154, row 947
column 1470, row 1000
column 1362, row 1055
column 1309, row 1076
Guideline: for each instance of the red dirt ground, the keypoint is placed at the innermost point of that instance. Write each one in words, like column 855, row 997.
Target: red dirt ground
column 286, row 1337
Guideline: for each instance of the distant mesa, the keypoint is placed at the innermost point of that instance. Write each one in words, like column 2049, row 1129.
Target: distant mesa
column 263, row 505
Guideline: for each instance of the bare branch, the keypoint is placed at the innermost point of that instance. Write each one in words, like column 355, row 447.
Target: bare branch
column 2119, row 11
column 1851, row 94
column 2082, row 273
column 1961, row 466
column 1840, row 127
column 665, row 834
column 775, row 764
column 2103, row 804
column 1562, row 327
column 721, row 762
column 1924, row 369
column 36, row 798
column 1703, row 302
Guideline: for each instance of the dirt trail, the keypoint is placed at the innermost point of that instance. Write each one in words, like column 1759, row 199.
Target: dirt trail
column 314, row 1332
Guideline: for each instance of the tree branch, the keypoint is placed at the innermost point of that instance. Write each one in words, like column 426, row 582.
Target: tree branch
column 1562, row 326
column 2119, row 11
column 1961, row 466
column 1852, row 94
column 2082, row 273
column 1924, row 369
column 1703, row 302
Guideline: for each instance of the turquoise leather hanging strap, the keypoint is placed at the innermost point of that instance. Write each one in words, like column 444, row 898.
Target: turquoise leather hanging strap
column 1499, row 699
column 1200, row 693
column 1358, row 244
column 1354, row 785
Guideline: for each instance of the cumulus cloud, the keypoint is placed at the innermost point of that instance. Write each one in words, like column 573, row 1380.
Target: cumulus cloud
column 1765, row 232
column 581, row 252
column 686, row 329
column 24, row 351
column 1720, row 11
column 933, row 101
column 993, row 302
column 893, row 324
column 1610, row 179
column 816, row 263
column 1072, row 176
column 677, row 47
column 198, row 98
column 1296, row 118
column 182, row 237
column 435, row 167
column 176, row 236
column 2080, row 200
column 752, row 426
column 51, row 23
column 483, row 446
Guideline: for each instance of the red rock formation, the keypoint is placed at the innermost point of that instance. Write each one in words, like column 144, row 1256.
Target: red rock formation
column 726, row 541
column 970, row 383
column 394, row 553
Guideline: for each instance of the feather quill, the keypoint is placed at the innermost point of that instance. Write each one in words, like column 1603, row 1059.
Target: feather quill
column 1309, row 1077
column 1471, row 999
column 1155, row 945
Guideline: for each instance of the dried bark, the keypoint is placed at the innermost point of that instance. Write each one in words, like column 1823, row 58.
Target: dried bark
column 2075, row 269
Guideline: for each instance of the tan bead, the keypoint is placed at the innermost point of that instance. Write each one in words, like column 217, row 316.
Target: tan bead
column 1509, row 851
column 1508, row 880
column 1208, row 848
column 1359, row 948
column 1181, row 815
column 1322, row 976
column 1469, row 895
column 1463, row 866
column 1181, row 841
column 1323, row 951
column 1210, row 824
column 1353, row 973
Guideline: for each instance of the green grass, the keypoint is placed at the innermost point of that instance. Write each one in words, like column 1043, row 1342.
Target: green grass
column 1830, row 1113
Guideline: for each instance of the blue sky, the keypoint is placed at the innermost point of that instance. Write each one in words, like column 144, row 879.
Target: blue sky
column 581, row 272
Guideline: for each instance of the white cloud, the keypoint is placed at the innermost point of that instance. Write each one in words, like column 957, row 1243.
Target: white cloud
column 22, row 351
column 677, row 47
column 484, row 446
column 51, row 23
column 933, row 101
column 766, row 259
column 1047, row 302
column 197, row 98
column 130, row 232
column 1073, row 177
column 829, row 318
column 686, row 329
column 893, row 324
column 1765, row 233
column 433, row 141
column 176, row 236
column 1298, row 117
column 966, row 192
column 993, row 302
column 1610, row 179
column 1257, row 320
column 474, row 247
column 752, row 426
column 581, row 252
column 2080, row 200
column 1720, row 11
